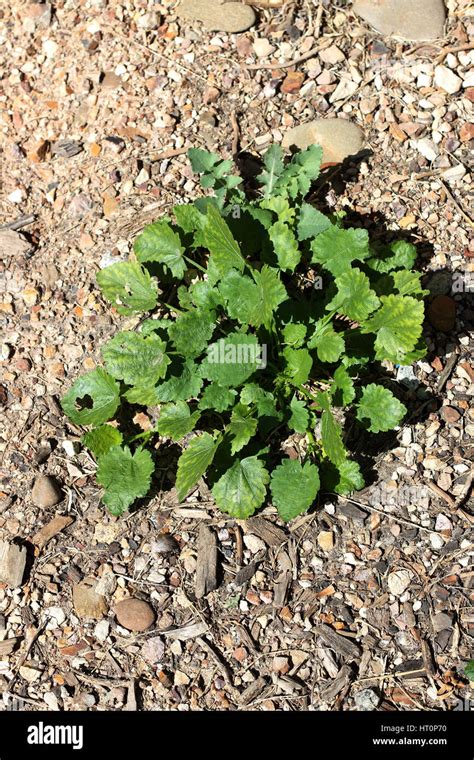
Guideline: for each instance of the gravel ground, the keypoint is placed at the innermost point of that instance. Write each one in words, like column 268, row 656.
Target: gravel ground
column 362, row 604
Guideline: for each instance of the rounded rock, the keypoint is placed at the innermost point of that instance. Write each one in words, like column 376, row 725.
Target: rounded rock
column 46, row 491
column 164, row 544
column 134, row 614
column 217, row 16
column 423, row 20
column 339, row 138
column 442, row 313
column 450, row 415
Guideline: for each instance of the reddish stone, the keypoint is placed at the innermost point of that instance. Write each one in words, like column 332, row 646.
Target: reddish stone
column 292, row 82
column 466, row 132
column 450, row 414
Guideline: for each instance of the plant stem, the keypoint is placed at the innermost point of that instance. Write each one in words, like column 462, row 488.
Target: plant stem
column 195, row 264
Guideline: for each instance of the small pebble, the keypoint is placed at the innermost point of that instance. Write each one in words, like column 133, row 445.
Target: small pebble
column 134, row 614
column 46, row 491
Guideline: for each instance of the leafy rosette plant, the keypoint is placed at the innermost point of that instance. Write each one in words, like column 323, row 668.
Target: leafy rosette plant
column 255, row 318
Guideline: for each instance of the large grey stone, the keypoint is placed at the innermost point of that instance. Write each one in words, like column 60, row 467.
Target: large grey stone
column 415, row 20
column 338, row 138
column 218, row 16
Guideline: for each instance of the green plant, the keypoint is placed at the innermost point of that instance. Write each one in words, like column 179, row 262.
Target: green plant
column 469, row 670
column 263, row 317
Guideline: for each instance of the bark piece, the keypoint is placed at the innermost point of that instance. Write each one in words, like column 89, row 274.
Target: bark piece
column 186, row 632
column 267, row 531
column 352, row 512
column 206, row 571
column 12, row 564
column 252, row 691
column 51, row 529
column 340, row 644
column 280, row 589
column 339, row 684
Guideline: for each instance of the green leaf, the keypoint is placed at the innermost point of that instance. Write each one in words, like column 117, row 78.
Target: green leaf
column 311, row 222
column 217, row 398
column 355, row 298
column 469, row 670
column 176, row 420
column 285, row 245
column 253, row 303
column 128, row 286
column 273, row 163
column 242, row 427
column 408, row 283
column 299, row 418
column 150, row 326
column 294, row 487
column 397, row 325
column 336, row 248
column 232, row 360
column 224, row 248
column 194, row 462
column 241, row 489
column 100, row 395
column 191, row 331
column 294, row 334
column 202, row 161
column 298, row 364
column 329, row 344
column 379, row 406
column 136, row 359
column 188, row 217
column 302, row 170
column 143, row 395
column 344, row 479
column 204, row 295
column 263, row 400
column 331, row 438
column 310, row 161
column 399, row 255
column 344, row 383
column 281, row 207
column 100, row 439
column 125, row 477
column 158, row 242
column 180, row 387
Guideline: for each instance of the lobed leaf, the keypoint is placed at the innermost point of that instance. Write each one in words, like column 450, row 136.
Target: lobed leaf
column 124, row 476
column 355, row 298
column 176, row 420
column 136, row 359
column 294, row 488
column 128, row 287
column 378, row 408
column 192, row 331
column 159, row 242
column 336, row 248
column 100, row 397
column 242, row 488
column 232, row 360
column 397, row 325
column 101, row 439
